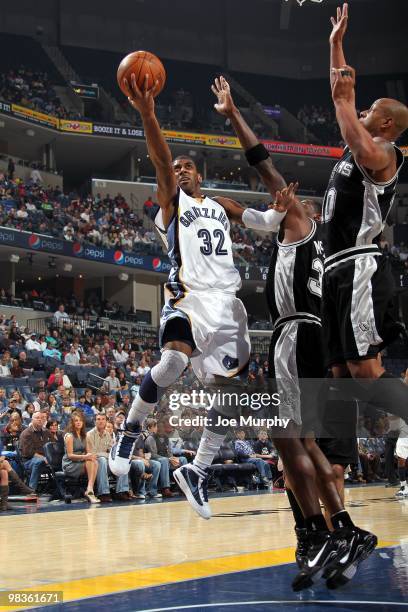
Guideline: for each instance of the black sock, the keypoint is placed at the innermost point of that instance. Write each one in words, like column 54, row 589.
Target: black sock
column 316, row 523
column 402, row 473
column 341, row 519
column 296, row 510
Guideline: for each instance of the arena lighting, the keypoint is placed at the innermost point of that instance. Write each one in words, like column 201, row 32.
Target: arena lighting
column 30, row 132
column 192, row 153
column 67, row 267
column 2, row 124
column 14, row 258
column 123, row 276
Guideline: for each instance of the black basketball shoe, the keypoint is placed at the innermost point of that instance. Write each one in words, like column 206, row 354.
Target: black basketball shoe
column 323, row 551
column 359, row 545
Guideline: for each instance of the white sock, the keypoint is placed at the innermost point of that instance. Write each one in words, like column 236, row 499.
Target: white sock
column 210, row 444
column 139, row 410
column 403, row 483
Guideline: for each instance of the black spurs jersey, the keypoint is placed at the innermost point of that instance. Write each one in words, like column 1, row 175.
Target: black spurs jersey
column 355, row 209
column 294, row 283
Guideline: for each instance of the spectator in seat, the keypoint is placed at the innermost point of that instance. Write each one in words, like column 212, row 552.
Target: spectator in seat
column 51, row 352
column 370, row 451
column 99, row 443
column 32, row 344
column 144, row 367
column 32, row 442
column 111, row 382
column 147, row 468
column 246, row 454
column 119, row 354
column 65, row 379
column 3, row 398
column 60, row 315
column 157, row 444
column 77, row 460
column 86, row 408
column 25, row 364
column 98, row 404
column 28, row 413
column 55, row 434
column 148, row 205
column 124, row 385
column 110, row 415
column 17, row 370
column 111, row 430
column 41, row 402
column 19, row 399
column 4, row 368
column 72, row 358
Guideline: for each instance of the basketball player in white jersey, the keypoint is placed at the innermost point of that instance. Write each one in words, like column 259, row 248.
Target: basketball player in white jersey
column 202, row 320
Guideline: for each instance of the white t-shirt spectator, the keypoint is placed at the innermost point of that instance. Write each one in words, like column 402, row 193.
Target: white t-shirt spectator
column 120, row 356
column 4, row 370
column 112, row 384
column 60, row 315
column 33, row 345
column 142, row 371
column 71, row 359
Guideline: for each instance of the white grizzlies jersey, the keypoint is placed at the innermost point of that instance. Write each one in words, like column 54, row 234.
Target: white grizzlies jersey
column 199, row 247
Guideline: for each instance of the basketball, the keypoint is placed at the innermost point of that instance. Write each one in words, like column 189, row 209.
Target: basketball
column 141, row 63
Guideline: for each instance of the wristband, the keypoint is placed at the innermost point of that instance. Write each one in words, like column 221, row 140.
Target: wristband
column 256, row 155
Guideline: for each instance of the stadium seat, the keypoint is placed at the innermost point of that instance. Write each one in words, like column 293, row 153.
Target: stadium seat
column 66, row 487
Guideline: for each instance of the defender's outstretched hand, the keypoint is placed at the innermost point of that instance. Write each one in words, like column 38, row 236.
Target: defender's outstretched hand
column 141, row 100
column 339, row 24
column 285, row 198
column 225, row 105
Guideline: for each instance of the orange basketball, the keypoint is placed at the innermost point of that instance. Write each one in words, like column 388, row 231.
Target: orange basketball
column 141, row 63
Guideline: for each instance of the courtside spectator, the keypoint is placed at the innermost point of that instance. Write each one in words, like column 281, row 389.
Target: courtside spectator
column 77, row 460
column 99, row 442
column 246, row 454
column 32, row 442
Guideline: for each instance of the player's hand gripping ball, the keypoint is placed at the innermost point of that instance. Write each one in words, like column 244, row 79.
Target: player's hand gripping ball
column 141, row 63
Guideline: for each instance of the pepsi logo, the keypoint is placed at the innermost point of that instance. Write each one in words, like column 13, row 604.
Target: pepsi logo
column 34, row 241
column 77, row 249
column 157, row 264
column 118, row 257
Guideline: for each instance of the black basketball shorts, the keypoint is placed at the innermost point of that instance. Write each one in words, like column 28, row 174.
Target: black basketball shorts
column 296, row 353
column 357, row 309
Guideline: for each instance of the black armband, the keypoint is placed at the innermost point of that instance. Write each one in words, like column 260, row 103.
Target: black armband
column 256, row 154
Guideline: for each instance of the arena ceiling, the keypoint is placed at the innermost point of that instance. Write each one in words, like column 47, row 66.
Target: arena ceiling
column 262, row 36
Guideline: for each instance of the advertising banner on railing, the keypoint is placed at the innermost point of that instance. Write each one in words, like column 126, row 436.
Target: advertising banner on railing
column 90, row 252
column 223, row 141
column 34, row 116
column 296, row 148
column 77, row 127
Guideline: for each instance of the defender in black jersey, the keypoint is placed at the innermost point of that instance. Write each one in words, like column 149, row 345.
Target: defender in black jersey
column 294, row 291
column 357, row 285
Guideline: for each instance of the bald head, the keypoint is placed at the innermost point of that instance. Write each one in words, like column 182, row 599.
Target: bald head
column 396, row 115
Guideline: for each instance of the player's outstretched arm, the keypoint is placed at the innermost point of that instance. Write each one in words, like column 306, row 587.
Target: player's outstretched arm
column 143, row 102
column 375, row 154
column 260, row 158
column 339, row 23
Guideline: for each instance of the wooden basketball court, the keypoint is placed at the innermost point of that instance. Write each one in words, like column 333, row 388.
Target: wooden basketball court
column 130, row 556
